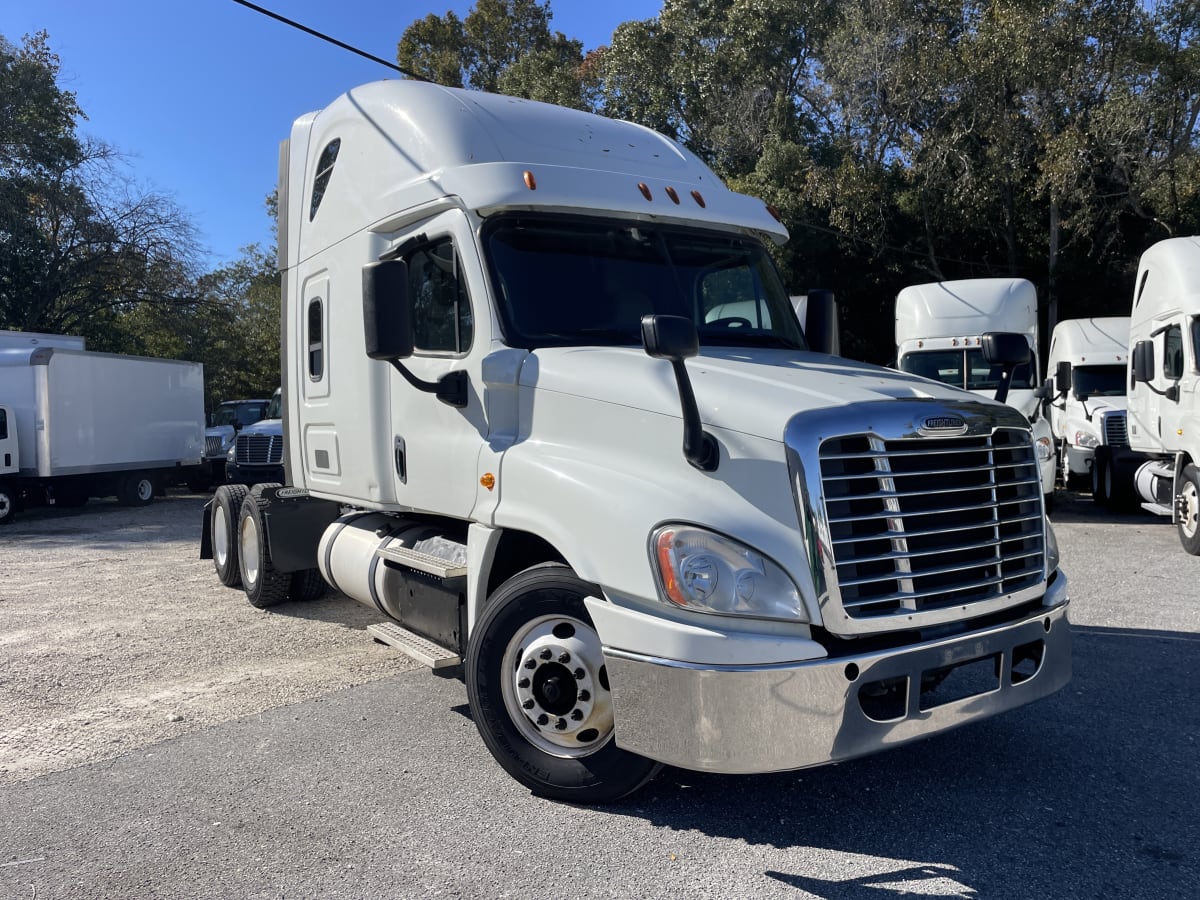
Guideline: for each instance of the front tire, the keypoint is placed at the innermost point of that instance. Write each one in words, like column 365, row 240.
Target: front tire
column 226, row 507
column 539, row 693
column 1187, row 511
column 1102, row 480
column 135, row 489
column 263, row 583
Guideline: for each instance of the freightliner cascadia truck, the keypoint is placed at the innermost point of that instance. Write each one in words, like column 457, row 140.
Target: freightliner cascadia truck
column 547, row 407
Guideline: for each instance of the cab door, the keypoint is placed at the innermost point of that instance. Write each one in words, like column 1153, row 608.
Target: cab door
column 436, row 446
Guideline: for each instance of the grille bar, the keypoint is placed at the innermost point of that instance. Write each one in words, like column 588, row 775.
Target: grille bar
column 1115, row 434
column 924, row 524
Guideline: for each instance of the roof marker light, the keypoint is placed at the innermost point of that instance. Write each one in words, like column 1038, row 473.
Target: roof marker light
column 699, row 199
column 673, row 195
column 774, row 213
column 530, row 181
column 645, row 190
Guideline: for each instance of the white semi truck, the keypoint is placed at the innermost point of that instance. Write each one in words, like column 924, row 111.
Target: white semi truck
column 1085, row 403
column 940, row 330
column 548, row 408
column 1164, row 383
column 76, row 424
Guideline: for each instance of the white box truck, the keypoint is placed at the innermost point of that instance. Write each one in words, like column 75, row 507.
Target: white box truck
column 1085, row 403
column 1164, row 383
column 940, row 329
column 548, row 408
column 76, row 424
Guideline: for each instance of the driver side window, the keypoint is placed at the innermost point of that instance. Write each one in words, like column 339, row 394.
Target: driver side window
column 1173, row 353
column 442, row 320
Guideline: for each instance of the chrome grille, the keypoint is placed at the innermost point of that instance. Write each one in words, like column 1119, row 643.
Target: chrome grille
column 213, row 446
column 259, row 449
column 922, row 524
column 1114, row 429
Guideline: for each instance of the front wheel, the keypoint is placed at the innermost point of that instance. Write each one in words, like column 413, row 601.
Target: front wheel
column 1102, row 480
column 539, row 692
column 1187, row 511
column 135, row 489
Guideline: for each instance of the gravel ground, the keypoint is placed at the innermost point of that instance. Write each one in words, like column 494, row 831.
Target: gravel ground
column 117, row 636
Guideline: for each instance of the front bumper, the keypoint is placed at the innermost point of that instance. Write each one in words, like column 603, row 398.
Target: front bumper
column 743, row 719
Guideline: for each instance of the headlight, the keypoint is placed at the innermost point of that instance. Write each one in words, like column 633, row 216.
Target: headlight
column 700, row 570
column 1045, row 449
column 1083, row 439
column 231, row 452
column 1052, row 556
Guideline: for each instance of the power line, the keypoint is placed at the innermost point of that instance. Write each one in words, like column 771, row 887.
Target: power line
column 325, row 37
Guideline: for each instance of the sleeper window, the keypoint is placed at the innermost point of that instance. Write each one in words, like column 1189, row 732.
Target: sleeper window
column 324, row 172
column 316, row 341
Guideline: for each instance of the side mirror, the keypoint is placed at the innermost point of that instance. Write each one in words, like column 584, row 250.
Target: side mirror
column 1143, row 362
column 674, row 338
column 1007, row 350
column 821, row 322
column 387, row 310
column 1004, row 348
column 670, row 337
column 1062, row 377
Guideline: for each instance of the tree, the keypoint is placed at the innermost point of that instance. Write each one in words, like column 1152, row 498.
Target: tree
column 502, row 46
column 80, row 244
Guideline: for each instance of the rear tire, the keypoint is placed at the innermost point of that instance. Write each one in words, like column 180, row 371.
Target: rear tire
column 8, row 503
column 306, row 585
column 226, row 507
column 264, row 585
column 135, row 489
column 1187, row 511
column 539, row 692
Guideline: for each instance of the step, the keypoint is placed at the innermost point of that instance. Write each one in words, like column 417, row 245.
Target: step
column 421, row 649
column 1158, row 509
column 422, row 562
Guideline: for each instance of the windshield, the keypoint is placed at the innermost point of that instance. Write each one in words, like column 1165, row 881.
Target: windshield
column 275, row 407
column 965, row 369
column 567, row 282
column 238, row 414
column 1098, row 381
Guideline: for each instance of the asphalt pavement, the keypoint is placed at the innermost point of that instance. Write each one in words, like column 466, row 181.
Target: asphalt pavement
column 386, row 790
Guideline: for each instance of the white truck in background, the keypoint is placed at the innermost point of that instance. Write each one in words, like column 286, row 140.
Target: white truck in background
column 547, row 406
column 1164, row 383
column 940, row 329
column 1085, row 403
column 76, row 424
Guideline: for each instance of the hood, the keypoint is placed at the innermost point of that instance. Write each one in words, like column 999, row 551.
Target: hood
column 224, row 432
column 750, row 391
column 264, row 426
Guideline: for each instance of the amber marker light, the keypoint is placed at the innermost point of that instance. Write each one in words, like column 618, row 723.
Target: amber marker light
column 774, row 213
column 530, row 181
column 645, row 190
column 673, row 195
column 698, row 198
column 488, row 480
column 663, row 551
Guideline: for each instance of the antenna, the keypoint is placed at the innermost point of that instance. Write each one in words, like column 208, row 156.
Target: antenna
column 325, row 37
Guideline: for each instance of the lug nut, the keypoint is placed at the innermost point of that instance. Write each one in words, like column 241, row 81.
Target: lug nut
column 577, row 714
column 564, row 658
column 547, row 653
column 561, row 724
column 528, row 704
column 585, row 696
column 543, row 719
column 523, row 683
column 579, row 673
column 531, row 663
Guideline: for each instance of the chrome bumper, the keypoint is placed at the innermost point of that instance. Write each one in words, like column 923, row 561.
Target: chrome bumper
column 742, row 719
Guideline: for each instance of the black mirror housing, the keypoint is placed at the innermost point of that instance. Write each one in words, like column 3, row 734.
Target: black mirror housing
column 387, row 310
column 1062, row 377
column 821, row 322
column 670, row 337
column 1004, row 348
column 1142, row 362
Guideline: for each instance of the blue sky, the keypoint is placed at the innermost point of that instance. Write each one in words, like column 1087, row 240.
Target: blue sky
column 199, row 93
